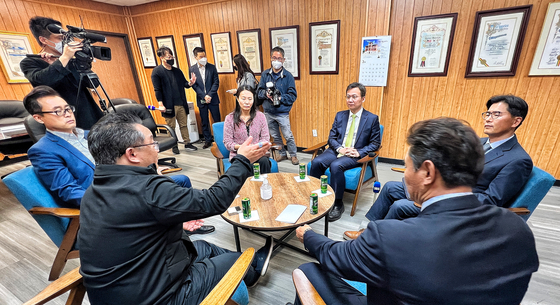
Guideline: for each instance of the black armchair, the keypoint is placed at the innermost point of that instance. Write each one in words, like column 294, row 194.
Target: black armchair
column 166, row 141
column 13, row 139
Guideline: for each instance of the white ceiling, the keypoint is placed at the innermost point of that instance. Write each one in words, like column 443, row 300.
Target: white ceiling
column 126, row 2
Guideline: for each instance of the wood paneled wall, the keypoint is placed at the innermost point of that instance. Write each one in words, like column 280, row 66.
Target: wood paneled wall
column 410, row 99
column 319, row 96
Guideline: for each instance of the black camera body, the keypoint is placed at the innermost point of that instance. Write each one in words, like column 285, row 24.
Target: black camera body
column 85, row 57
column 274, row 93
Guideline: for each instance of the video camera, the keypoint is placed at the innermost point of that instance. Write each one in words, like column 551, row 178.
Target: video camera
column 274, row 93
column 84, row 58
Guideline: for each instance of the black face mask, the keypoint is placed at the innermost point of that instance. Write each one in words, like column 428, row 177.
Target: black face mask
column 235, row 68
column 171, row 61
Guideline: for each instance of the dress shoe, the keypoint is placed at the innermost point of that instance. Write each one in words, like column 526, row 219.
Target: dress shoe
column 295, row 160
column 262, row 259
column 281, row 157
column 175, row 150
column 351, row 235
column 190, row 147
column 202, row 230
column 206, row 145
column 336, row 213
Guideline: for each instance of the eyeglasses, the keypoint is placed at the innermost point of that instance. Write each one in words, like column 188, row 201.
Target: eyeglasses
column 352, row 97
column 155, row 144
column 62, row 112
column 277, row 58
column 495, row 115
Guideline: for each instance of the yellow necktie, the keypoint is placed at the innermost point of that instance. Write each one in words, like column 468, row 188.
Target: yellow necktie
column 350, row 136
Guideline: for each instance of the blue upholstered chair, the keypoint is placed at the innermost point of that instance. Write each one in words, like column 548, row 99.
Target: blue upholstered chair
column 60, row 224
column 221, row 153
column 355, row 177
column 533, row 192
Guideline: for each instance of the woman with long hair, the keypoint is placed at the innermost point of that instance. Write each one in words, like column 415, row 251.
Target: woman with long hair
column 245, row 75
column 246, row 121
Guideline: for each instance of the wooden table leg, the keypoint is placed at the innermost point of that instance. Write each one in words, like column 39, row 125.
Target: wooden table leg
column 237, row 242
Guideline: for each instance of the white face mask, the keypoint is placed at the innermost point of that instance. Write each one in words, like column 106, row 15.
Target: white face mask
column 276, row 65
column 203, row 61
column 58, row 46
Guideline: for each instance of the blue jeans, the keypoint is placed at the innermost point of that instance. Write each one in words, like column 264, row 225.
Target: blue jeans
column 281, row 122
column 392, row 204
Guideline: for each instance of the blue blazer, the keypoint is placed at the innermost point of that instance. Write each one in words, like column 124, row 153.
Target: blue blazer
column 368, row 134
column 212, row 84
column 63, row 169
column 457, row 251
column 506, row 170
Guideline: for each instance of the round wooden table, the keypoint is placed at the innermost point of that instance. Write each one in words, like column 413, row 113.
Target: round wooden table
column 285, row 191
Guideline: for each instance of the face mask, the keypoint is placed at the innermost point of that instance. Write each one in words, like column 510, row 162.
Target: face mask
column 58, row 46
column 203, row 61
column 171, row 61
column 276, row 65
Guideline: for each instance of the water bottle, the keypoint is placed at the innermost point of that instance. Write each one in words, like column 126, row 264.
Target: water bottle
column 266, row 190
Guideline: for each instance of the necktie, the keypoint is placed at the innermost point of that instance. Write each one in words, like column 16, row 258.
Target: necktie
column 486, row 147
column 350, row 135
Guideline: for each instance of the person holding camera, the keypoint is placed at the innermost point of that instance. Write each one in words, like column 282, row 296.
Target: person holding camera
column 59, row 73
column 206, row 88
column 277, row 90
column 168, row 84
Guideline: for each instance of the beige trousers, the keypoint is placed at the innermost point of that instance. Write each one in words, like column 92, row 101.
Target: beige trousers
column 181, row 116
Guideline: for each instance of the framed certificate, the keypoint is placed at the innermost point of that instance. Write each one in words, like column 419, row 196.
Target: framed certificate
column 147, row 52
column 497, row 41
column 432, row 39
column 221, row 46
column 324, row 41
column 288, row 39
column 547, row 55
column 167, row 41
column 249, row 42
column 13, row 47
column 191, row 42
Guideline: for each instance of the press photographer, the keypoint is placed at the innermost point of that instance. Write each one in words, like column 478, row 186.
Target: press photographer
column 57, row 68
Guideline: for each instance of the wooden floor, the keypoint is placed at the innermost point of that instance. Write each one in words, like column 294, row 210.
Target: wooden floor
column 26, row 253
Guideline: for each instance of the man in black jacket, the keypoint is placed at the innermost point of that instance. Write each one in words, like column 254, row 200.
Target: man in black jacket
column 168, row 84
column 133, row 249
column 60, row 73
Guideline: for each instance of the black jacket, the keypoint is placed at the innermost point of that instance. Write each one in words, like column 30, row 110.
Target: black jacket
column 164, row 90
column 65, row 81
column 210, row 87
column 133, row 249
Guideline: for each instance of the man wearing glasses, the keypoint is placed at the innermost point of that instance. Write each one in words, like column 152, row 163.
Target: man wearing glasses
column 506, row 168
column 278, row 117
column 354, row 133
column 61, row 158
column 169, row 83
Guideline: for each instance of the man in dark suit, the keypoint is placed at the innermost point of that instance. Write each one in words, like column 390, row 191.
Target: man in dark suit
column 354, row 133
column 506, row 170
column 206, row 88
column 169, row 86
column 60, row 74
column 457, row 251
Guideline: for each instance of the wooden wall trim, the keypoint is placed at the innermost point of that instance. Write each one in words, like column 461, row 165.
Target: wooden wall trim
column 74, row 7
column 180, row 7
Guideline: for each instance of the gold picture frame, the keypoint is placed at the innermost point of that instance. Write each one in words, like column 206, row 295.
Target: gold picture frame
column 13, row 48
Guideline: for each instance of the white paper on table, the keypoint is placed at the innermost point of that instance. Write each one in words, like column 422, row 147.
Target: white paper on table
column 254, row 216
column 319, row 194
column 261, row 178
column 291, row 213
column 237, row 196
column 302, row 180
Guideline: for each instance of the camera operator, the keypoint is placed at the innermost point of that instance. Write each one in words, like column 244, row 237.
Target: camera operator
column 282, row 88
column 59, row 73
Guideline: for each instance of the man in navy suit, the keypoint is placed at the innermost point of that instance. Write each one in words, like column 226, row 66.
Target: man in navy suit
column 506, row 169
column 354, row 133
column 457, row 251
column 206, row 88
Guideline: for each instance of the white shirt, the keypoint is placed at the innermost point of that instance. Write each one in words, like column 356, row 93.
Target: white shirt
column 78, row 140
column 202, row 70
column 356, row 125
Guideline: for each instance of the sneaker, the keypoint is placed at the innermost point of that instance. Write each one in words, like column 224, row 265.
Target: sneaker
column 295, row 160
column 262, row 259
column 190, row 147
column 175, row 150
column 281, row 157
